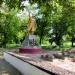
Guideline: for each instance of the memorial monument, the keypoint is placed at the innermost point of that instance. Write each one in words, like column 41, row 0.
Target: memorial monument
column 29, row 45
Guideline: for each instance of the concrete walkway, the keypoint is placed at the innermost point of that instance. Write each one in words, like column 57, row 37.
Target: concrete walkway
column 7, row 69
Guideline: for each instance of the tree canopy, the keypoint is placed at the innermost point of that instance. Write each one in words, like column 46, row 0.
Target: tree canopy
column 54, row 18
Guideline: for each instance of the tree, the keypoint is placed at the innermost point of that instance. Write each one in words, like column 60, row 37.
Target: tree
column 58, row 14
column 9, row 27
column 41, row 30
column 69, row 13
column 12, row 3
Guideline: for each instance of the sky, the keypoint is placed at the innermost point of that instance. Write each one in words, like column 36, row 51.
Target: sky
column 28, row 8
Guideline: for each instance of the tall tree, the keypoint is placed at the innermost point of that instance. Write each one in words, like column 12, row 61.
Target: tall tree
column 9, row 27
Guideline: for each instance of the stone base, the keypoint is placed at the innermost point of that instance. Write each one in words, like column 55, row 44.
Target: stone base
column 22, row 66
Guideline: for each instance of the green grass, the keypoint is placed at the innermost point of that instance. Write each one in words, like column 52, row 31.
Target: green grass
column 47, row 46
column 13, row 46
column 66, row 46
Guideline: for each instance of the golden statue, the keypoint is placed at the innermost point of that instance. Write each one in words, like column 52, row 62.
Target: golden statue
column 31, row 25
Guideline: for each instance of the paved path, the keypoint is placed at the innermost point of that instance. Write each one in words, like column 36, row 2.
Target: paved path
column 7, row 69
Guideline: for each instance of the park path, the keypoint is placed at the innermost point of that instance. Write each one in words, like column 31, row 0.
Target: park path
column 7, row 69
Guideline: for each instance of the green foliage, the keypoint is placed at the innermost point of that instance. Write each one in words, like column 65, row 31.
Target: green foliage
column 9, row 27
column 58, row 16
column 1, row 1
column 23, row 29
column 55, row 18
column 41, row 29
column 13, row 3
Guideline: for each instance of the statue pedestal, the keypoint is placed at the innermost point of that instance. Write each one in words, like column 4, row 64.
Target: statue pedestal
column 30, row 50
column 30, row 46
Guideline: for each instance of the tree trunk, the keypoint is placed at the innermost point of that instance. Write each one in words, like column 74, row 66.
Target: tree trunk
column 4, row 41
column 72, row 43
column 72, row 40
column 40, row 40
